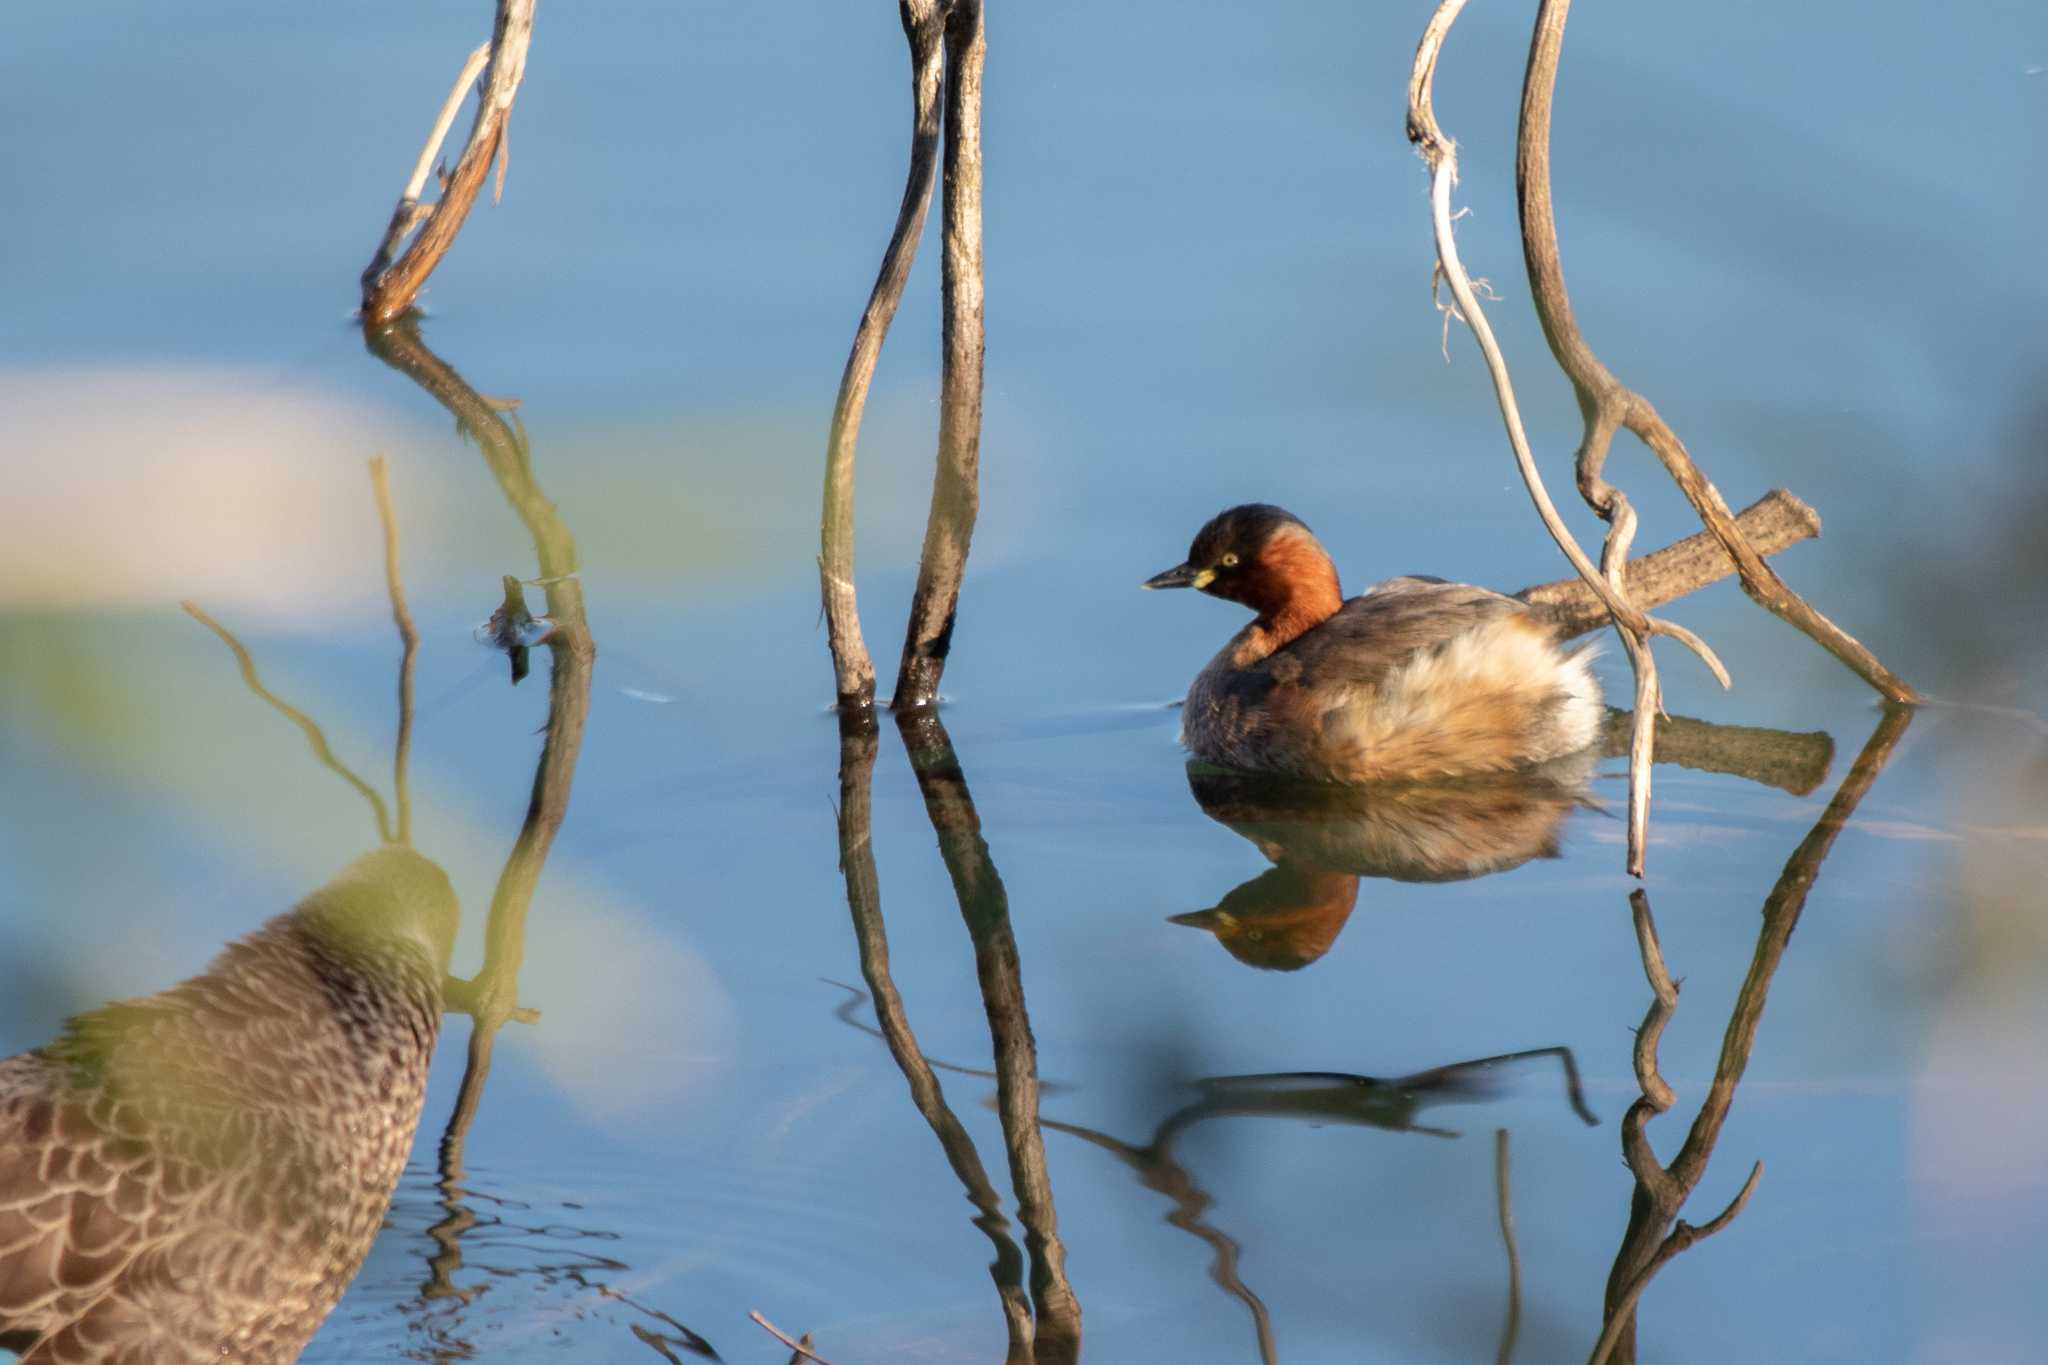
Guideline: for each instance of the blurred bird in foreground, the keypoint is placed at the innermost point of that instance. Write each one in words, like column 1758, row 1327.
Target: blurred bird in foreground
column 197, row 1175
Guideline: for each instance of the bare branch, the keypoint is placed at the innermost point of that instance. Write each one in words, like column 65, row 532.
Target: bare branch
column 1608, row 404
column 956, row 496
column 389, row 287
column 854, row 671
column 1608, row 581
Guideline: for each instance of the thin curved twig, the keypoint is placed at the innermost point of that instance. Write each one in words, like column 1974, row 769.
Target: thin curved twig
column 389, row 286
column 853, row 670
column 1609, row 405
column 1633, row 626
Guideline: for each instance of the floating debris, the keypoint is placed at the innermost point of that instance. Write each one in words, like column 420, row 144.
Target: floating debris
column 514, row 629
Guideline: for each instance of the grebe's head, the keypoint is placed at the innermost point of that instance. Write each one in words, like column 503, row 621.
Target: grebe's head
column 1257, row 554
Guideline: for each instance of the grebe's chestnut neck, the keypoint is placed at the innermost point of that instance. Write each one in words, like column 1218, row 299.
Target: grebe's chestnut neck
column 1267, row 559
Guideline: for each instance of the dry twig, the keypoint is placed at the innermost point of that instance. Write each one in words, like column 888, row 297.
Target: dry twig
column 1607, row 582
column 1608, row 405
column 854, row 671
column 390, row 285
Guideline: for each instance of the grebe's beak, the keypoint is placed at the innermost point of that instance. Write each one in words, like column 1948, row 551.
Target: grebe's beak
column 1181, row 576
column 1216, row 921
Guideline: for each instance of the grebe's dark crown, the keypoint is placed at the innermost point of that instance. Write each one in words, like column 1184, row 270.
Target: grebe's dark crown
column 1242, row 531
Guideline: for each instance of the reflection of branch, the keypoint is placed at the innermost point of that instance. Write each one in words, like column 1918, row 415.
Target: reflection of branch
column 409, row 638
column 854, row 670
column 1661, row 1191
column 307, row 725
column 1609, row 405
column 1772, row 523
column 491, row 997
column 985, row 907
column 858, row 997
column 956, row 496
column 389, row 286
column 857, row 745
column 1796, row 763
column 1512, row 1326
column 1159, row 1172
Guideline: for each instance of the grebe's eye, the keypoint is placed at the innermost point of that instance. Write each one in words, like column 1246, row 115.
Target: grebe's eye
column 1229, row 561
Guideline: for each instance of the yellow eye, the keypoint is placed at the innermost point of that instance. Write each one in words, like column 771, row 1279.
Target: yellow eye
column 1229, row 561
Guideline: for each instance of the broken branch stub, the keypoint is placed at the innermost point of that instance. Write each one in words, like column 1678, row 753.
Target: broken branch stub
column 393, row 279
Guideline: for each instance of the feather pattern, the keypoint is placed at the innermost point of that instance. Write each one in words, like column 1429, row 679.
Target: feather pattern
column 1414, row 679
column 197, row 1175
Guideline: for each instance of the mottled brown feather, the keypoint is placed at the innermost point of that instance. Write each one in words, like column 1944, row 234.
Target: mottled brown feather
column 196, row 1176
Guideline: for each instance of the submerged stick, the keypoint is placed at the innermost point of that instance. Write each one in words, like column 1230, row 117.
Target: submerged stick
column 390, row 286
column 1609, row 405
column 956, row 495
column 853, row 671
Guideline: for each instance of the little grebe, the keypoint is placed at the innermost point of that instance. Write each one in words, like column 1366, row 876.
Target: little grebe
column 1414, row 679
